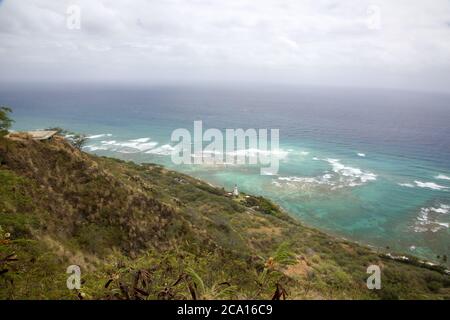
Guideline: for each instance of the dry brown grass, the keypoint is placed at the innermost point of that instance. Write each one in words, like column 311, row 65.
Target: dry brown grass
column 298, row 270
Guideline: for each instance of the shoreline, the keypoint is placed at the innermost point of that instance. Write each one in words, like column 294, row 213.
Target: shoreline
column 398, row 255
column 386, row 253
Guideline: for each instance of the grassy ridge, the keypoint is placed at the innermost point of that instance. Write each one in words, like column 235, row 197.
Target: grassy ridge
column 144, row 232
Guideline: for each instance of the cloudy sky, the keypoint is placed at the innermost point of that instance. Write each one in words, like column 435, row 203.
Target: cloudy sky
column 378, row 43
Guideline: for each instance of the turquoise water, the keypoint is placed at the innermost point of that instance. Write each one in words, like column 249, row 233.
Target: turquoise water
column 369, row 165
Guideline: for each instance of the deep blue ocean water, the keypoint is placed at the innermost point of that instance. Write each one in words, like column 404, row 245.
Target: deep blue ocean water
column 369, row 165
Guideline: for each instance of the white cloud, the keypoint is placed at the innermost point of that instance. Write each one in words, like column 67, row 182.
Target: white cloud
column 291, row 41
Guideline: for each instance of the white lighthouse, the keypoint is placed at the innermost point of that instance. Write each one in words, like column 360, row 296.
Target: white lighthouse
column 235, row 191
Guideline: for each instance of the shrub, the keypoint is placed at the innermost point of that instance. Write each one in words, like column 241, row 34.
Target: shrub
column 434, row 286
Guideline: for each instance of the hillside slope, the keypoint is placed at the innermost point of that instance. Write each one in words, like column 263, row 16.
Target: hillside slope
column 144, row 232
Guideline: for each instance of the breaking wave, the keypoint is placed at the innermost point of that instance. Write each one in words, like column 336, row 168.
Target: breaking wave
column 98, row 136
column 408, row 185
column 429, row 219
column 350, row 175
column 429, row 185
column 340, row 177
column 164, row 150
column 252, row 152
column 442, row 177
column 130, row 146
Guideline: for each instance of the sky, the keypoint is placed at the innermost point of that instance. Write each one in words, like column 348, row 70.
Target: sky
column 381, row 43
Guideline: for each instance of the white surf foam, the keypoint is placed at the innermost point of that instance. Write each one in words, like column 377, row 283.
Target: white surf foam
column 276, row 183
column 408, row 185
column 442, row 177
column 141, row 140
column 130, row 146
column 361, row 154
column 97, row 136
column 353, row 176
column 340, row 177
column 443, row 209
column 253, row 152
column 430, row 185
column 429, row 219
column 164, row 150
column 138, row 146
column 108, row 142
column 302, row 179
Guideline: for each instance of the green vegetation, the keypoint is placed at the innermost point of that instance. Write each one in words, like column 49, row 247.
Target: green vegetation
column 144, row 232
column 5, row 121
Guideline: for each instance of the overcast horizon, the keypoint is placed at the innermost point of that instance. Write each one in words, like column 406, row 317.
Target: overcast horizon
column 380, row 44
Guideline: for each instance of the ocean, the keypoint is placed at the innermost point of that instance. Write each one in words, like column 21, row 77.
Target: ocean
column 370, row 165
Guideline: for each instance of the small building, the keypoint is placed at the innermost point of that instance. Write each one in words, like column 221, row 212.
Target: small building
column 41, row 134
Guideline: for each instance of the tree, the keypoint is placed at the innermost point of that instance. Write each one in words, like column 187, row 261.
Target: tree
column 78, row 141
column 5, row 121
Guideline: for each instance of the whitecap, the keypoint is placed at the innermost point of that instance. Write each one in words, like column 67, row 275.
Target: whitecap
column 254, row 152
column 325, row 179
column 408, row 185
column 104, row 145
column 361, row 154
column 90, row 148
column 300, row 179
column 442, row 177
column 352, row 176
column 164, row 150
column 302, row 183
column 304, row 153
column 97, row 136
column 428, row 219
column 342, row 176
column 276, row 183
column 138, row 146
column 130, row 146
column 429, row 185
column 141, row 140
column 443, row 209
column 110, row 142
